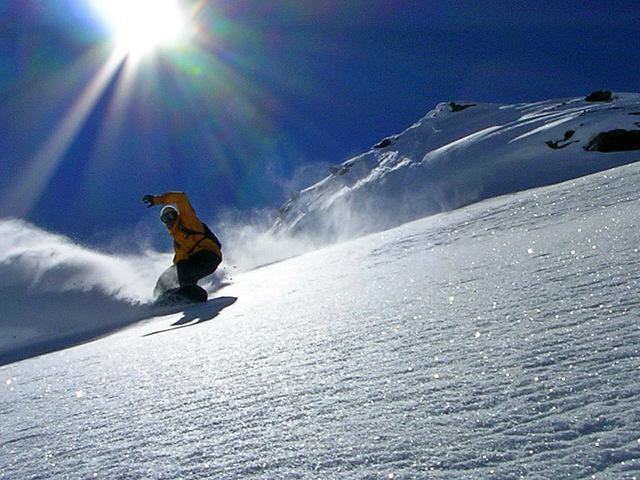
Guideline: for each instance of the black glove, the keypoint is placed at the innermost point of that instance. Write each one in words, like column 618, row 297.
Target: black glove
column 149, row 200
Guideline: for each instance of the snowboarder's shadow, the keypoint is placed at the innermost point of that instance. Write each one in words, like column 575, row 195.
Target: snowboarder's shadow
column 197, row 314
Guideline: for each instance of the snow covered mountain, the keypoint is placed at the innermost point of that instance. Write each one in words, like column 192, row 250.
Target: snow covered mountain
column 500, row 340
column 460, row 153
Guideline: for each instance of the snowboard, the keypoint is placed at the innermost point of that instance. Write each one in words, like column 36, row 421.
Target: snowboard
column 182, row 295
column 169, row 292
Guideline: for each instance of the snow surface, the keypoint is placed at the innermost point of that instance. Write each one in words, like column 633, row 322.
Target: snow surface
column 500, row 340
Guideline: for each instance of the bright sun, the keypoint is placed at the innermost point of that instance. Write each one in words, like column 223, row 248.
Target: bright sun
column 140, row 26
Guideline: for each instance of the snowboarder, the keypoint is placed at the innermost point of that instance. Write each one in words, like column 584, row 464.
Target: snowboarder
column 197, row 250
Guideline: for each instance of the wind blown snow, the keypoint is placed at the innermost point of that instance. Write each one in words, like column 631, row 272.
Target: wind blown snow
column 54, row 292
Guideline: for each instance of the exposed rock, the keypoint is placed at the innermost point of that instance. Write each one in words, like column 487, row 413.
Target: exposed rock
column 615, row 141
column 458, row 107
column 384, row 143
column 599, row 96
column 555, row 145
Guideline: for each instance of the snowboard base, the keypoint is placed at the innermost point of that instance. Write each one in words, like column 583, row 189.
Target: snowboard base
column 182, row 295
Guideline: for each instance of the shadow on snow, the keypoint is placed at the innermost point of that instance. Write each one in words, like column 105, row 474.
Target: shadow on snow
column 198, row 314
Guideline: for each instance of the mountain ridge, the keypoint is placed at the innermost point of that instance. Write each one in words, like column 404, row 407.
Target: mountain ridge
column 463, row 152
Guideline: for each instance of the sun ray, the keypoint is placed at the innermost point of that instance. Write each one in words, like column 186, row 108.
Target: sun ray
column 27, row 188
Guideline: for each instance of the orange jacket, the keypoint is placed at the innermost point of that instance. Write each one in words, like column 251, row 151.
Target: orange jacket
column 185, row 241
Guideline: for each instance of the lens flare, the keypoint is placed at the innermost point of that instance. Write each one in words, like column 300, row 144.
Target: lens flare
column 180, row 93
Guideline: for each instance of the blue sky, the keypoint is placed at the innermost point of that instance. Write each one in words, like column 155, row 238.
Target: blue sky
column 267, row 95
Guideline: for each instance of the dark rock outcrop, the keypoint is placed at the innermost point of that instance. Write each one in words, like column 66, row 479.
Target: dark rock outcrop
column 599, row 96
column 384, row 143
column 458, row 107
column 615, row 141
column 557, row 144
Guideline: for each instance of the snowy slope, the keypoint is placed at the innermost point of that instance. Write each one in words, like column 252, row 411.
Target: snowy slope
column 461, row 153
column 500, row 340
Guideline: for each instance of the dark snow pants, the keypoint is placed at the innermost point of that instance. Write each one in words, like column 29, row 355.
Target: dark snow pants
column 197, row 266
